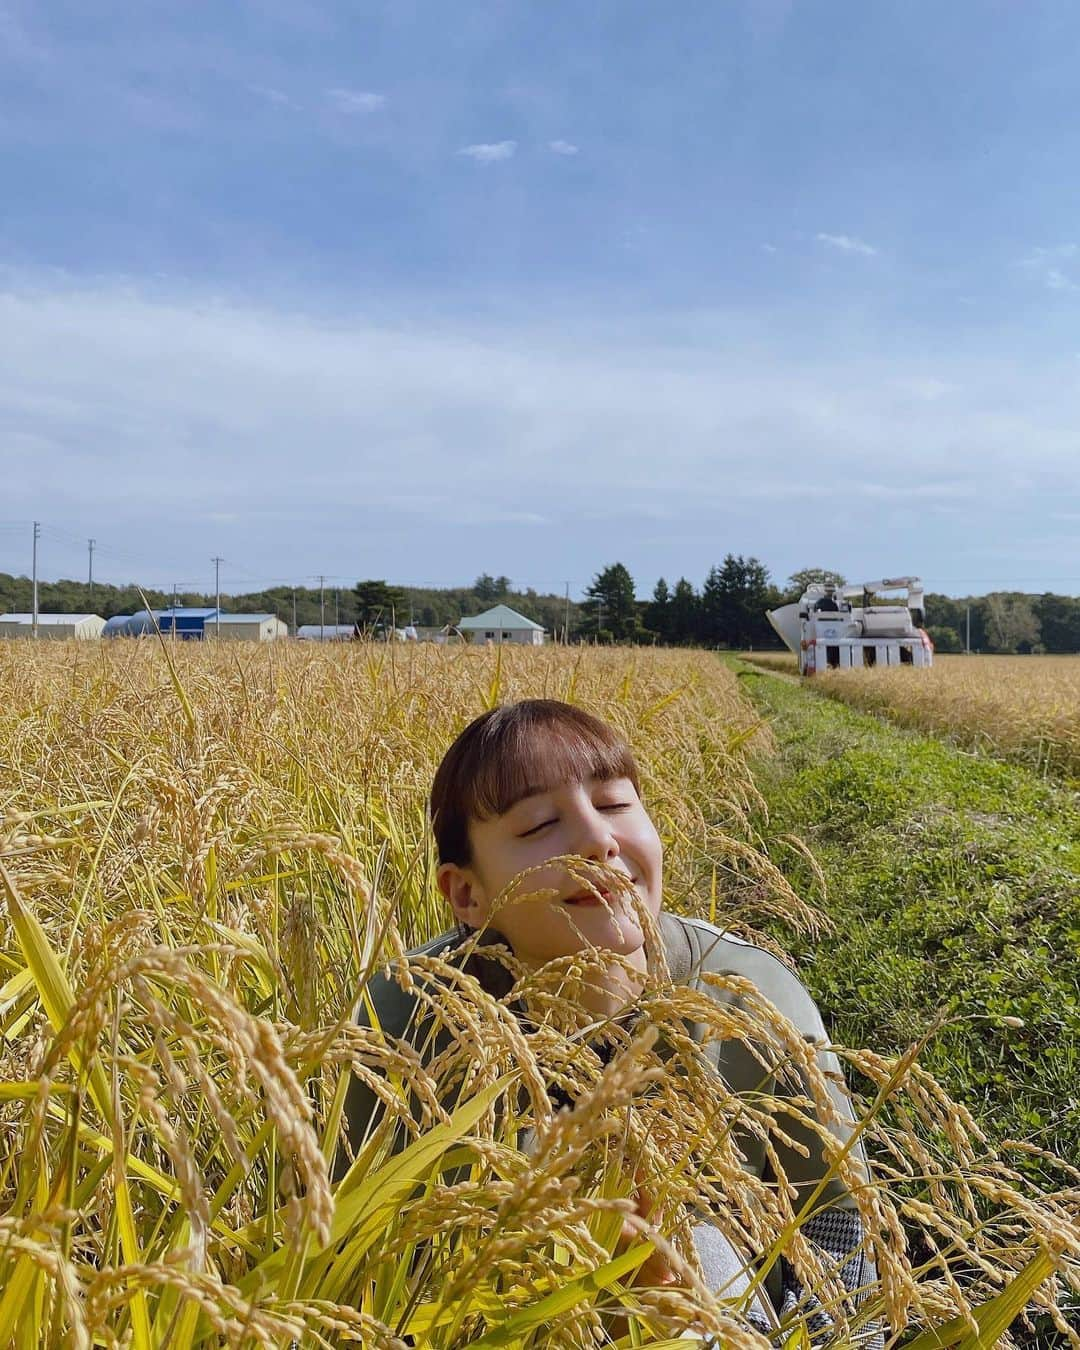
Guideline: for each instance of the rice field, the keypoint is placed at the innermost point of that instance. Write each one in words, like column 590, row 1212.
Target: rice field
column 1023, row 708
column 204, row 853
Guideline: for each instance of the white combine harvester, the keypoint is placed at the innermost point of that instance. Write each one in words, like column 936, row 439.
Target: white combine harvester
column 827, row 631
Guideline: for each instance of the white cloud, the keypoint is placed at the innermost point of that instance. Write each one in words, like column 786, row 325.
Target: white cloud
column 1046, row 264
column 562, row 147
column 1039, row 257
column 356, row 100
column 307, row 430
column 490, row 152
column 272, row 95
column 925, row 388
column 768, row 248
column 847, row 243
column 1056, row 280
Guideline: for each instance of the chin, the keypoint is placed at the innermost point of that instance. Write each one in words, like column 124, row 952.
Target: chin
column 623, row 936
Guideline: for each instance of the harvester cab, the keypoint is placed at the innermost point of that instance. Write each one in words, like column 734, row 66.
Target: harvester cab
column 833, row 628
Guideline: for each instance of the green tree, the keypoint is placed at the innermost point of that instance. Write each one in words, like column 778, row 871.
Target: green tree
column 714, row 611
column 658, row 611
column 733, row 602
column 684, row 624
column 490, row 589
column 1059, row 622
column 610, row 606
column 945, row 639
column 378, row 605
column 1012, row 624
column 808, row 576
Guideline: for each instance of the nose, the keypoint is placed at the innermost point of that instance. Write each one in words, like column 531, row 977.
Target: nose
column 594, row 839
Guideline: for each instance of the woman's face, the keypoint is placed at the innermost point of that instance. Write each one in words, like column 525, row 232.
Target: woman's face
column 601, row 821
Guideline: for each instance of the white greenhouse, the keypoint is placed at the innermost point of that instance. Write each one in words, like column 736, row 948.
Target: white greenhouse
column 56, row 626
column 326, row 632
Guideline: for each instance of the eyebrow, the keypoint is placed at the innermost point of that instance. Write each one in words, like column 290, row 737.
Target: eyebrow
column 530, row 790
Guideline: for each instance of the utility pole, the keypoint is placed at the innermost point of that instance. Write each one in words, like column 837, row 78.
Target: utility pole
column 217, row 593
column 322, row 609
column 335, row 611
column 599, row 615
column 34, row 612
column 90, row 578
column 173, row 615
column 566, row 619
column 967, row 641
column 294, row 628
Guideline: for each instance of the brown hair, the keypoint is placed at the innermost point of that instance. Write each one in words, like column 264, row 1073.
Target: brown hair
column 512, row 752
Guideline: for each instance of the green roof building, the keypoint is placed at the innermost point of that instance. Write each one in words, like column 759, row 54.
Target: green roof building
column 502, row 624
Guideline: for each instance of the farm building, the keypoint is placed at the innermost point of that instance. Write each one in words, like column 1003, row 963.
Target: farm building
column 52, row 625
column 326, row 632
column 139, row 624
column 189, row 625
column 502, row 624
column 249, row 627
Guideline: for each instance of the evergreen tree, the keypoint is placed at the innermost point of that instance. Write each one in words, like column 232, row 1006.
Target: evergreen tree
column 734, row 600
column 611, row 610
column 715, row 617
column 684, row 624
column 657, row 611
column 491, row 589
column 379, row 605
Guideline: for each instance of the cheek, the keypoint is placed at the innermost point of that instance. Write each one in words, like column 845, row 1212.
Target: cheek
column 651, row 853
column 498, row 866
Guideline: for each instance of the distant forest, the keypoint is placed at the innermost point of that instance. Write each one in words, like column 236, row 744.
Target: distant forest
column 726, row 610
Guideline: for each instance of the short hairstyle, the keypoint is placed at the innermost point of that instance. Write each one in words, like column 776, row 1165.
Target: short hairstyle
column 512, row 752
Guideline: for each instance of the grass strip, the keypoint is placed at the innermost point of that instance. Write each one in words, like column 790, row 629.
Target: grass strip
column 953, row 882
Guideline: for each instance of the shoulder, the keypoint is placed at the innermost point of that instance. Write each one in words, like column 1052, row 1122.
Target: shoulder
column 385, row 1003
column 716, row 952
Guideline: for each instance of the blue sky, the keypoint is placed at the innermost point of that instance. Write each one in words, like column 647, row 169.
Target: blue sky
column 421, row 290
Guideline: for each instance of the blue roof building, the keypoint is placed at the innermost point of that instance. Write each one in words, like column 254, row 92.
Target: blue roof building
column 189, row 625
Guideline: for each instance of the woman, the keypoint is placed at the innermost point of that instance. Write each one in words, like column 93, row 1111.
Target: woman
column 546, row 853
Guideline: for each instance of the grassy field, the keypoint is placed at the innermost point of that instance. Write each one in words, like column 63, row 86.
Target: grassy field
column 784, row 663
column 953, row 883
column 206, row 850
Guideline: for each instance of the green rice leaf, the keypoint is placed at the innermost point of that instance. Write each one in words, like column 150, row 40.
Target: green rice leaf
column 58, row 1001
column 993, row 1318
column 522, row 1323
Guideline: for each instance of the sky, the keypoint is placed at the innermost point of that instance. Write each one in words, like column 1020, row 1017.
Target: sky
column 403, row 289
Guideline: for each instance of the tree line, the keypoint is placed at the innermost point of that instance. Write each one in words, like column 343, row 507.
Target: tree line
column 727, row 609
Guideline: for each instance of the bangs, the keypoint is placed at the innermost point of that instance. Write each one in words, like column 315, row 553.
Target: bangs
column 513, row 752
column 536, row 756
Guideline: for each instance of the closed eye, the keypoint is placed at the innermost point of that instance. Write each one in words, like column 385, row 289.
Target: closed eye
column 537, row 828
column 615, row 806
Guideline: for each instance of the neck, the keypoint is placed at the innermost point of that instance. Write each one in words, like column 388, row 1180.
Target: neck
column 606, row 991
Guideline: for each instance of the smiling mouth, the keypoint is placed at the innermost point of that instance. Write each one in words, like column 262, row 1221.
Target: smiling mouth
column 588, row 898
column 596, row 898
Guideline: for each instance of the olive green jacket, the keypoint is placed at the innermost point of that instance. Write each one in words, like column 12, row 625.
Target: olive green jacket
column 693, row 949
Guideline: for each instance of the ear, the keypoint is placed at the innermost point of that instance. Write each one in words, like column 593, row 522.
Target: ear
column 463, row 893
